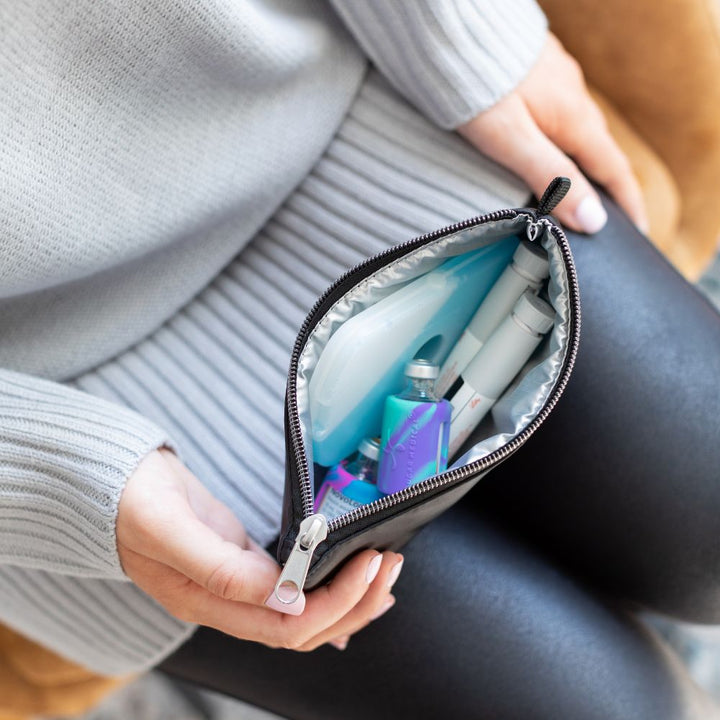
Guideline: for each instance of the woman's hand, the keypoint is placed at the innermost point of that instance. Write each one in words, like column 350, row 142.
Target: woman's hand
column 549, row 117
column 189, row 552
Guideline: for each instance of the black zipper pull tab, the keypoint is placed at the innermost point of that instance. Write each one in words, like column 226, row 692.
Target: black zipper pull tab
column 555, row 192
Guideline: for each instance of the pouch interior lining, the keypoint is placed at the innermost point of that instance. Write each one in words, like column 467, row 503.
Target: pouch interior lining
column 529, row 392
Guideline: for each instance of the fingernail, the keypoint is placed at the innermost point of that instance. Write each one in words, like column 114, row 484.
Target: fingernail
column 340, row 643
column 590, row 215
column 643, row 226
column 394, row 573
column 373, row 568
column 384, row 608
column 294, row 608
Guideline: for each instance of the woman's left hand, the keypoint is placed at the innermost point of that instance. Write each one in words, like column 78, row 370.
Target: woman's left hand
column 549, row 118
column 188, row 551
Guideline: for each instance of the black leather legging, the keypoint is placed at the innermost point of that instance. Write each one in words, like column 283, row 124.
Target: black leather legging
column 518, row 603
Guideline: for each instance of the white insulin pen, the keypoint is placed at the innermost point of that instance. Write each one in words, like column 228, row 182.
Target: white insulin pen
column 528, row 268
column 498, row 362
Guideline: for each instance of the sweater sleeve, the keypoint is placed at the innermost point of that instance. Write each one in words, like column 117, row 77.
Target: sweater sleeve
column 454, row 58
column 64, row 458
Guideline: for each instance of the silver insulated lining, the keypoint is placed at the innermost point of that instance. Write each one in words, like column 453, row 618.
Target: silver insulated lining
column 529, row 392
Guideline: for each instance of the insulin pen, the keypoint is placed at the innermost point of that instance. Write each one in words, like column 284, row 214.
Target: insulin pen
column 528, row 269
column 496, row 364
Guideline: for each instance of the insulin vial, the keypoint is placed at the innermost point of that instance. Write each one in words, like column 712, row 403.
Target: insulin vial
column 527, row 270
column 498, row 362
column 351, row 483
column 415, row 431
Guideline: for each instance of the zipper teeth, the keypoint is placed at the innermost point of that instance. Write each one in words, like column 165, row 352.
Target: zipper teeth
column 466, row 471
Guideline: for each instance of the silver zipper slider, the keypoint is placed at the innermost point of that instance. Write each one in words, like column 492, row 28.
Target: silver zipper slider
column 532, row 229
column 313, row 530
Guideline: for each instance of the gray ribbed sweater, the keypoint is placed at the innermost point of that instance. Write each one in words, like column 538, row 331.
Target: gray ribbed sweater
column 179, row 182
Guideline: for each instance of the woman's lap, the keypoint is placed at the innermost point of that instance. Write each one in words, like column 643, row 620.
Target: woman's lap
column 483, row 627
column 620, row 486
column 486, row 626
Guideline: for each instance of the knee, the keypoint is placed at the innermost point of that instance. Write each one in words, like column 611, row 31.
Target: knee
column 524, row 639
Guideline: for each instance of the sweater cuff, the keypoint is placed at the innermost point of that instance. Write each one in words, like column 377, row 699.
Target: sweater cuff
column 65, row 456
column 109, row 627
column 451, row 59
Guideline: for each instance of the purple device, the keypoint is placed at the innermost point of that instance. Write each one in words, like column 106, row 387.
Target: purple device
column 415, row 434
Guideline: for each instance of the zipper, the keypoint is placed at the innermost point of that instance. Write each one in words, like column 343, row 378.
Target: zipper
column 351, row 278
column 554, row 193
column 313, row 530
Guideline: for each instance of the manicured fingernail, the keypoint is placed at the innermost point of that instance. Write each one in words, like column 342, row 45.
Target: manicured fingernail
column 340, row 643
column 384, row 608
column 373, row 568
column 394, row 573
column 591, row 215
column 294, row 608
column 643, row 226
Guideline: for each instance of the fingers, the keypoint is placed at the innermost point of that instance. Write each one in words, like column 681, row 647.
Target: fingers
column 324, row 608
column 215, row 514
column 534, row 142
column 221, row 567
column 252, row 545
column 192, row 603
column 328, row 604
column 341, row 642
column 600, row 156
column 372, row 605
column 359, row 593
column 561, row 105
column 156, row 520
column 508, row 134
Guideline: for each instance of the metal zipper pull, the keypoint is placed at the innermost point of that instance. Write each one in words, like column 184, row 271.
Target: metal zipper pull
column 532, row 229
column 313, row 530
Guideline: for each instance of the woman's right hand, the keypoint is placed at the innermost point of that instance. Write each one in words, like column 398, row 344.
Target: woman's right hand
column 187, row 550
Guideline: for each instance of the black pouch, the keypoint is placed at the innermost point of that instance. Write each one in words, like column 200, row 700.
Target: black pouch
column 311, row 547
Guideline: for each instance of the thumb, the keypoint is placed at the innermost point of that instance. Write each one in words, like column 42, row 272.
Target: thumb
column 223, row 568
column 509, row 135
column 157, row 520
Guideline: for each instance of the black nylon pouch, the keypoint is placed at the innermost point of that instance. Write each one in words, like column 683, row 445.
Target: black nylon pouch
column 312, row 548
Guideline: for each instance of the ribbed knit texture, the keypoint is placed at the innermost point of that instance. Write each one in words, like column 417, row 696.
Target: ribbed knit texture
column 106, row 625
column 209, row 374
column 143, row 145
column 64, row 459
column 452, row 59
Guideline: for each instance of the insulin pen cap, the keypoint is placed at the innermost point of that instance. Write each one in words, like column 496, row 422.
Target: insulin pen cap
column 534, row 313
column 370, row 448
column 509, row 347
column 531, row 261
column 423, row 369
